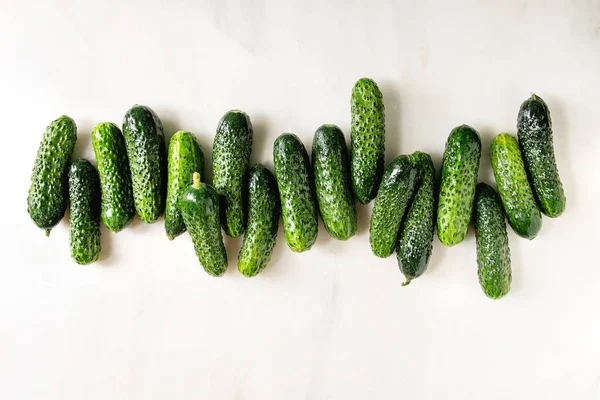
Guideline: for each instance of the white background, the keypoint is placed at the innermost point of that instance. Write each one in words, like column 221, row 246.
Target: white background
column 146, row 321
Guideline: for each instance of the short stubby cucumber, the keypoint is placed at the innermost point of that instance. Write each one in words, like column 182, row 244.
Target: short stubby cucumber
column 460, row 167
column 516, row 195
column 47, row 199
column 493, row 253
column 184, row 157
column 230, row 159
column 367, row 139
column 84, row 212
column 332, row 182
column 296, row 192
column 416, row 235
column 145, row 141
column 199, row 205
column 535, row 139
column 263, row 221
column 117, row 208
column 393, row 198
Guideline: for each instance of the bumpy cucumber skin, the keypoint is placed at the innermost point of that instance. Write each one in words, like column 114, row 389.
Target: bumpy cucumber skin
column 146, row 150
column 47, row 199
column 493, row 253
column 296, row 192
column 84, row 212
column 460, row 168
column 516, row 195
column 263, row 221
column 534, row 130
column 332, row 182
column 416, row 236
column 199, row 207
column 184, row 157
column 393, row 198
column 230, row 159
column 367, row 139
column 117, row 208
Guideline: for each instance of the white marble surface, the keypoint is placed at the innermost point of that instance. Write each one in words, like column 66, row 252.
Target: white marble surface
column 146, row 322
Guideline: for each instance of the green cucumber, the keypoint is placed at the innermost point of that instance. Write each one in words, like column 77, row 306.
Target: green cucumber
column 393, row 198
column 184, row 157
column 47, row 199
column 416, row 236
column 230, row 159
column 332, row 181
column 513, row 186
column 117, row 208
column 145, row 142
column 199, row 206
column 493, row 253
column 368, row 139
column 84, row 212
column 263, row 221
column 296, row 192
column 535, row 139
column 460, row 167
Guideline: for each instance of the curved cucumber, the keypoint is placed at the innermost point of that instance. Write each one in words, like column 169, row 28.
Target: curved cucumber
column 535, row 138
column 84, row 212
column 199, row 207
column 184, row 157
column 47, row 199
column 493, row 253
column 460, row 168
column 296, row 192
column 513, row 186
column 263, row 221
column 332, row 182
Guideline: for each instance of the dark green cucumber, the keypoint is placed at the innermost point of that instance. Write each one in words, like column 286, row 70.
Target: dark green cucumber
column 368, row 139
column 145, row 141
column 263, row 221
column 460, row 168
column 47, row 199
column 416, row 236
column 393, row 198
column 185, row 157
column 535, row 139
column 84, row 212
column 332, row 182
column 513, row 186
column 296, row 192
column 493, row 253
column 199, row 205
column 230, row 158
column 117, row 208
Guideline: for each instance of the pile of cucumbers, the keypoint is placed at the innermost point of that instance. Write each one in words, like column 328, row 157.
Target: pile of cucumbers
column 136, row 173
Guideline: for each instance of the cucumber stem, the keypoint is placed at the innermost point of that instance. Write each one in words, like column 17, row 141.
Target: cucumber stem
column 406, row 283
column 196, row 180
column 47, row 232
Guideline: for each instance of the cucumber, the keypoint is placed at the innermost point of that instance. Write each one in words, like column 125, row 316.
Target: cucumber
column 145, row 142
column 84, row 212
column 47, row 199
column 395, row 193
column 263, row 221
column 117, row 208
column 535, row 139
column 296, row 192
column 332, row 181
column 199, row 205
column 184, row 157
column 493, row 253
column 367, row 139
column 513, row 186
column 416, row 236
column 231, row 155
column 460, row 167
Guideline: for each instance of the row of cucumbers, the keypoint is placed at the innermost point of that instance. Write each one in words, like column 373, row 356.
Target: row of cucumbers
column 136, row 173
